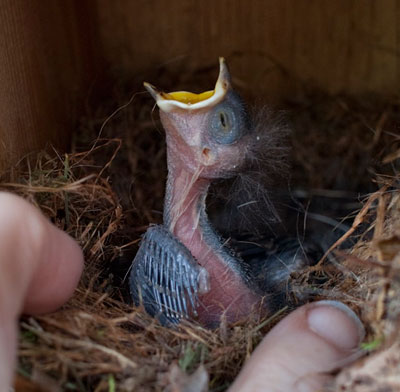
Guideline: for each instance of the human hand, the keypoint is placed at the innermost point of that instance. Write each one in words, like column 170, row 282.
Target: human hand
column 298, row 354
column 40, row 267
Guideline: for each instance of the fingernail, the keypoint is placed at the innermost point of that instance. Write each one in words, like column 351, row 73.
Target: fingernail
column 336, row 323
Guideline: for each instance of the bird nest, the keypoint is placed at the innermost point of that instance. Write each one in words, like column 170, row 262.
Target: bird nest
column 105, row 193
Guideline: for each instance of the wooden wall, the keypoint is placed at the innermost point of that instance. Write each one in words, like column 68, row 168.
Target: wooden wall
column 44, row 64
column 52, row 51
column 338, row 45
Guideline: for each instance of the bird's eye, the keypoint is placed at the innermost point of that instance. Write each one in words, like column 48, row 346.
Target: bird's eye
column 223, row 119
column 225, row 124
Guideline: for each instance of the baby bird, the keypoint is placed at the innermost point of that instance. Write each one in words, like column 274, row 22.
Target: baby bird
column 183, row 268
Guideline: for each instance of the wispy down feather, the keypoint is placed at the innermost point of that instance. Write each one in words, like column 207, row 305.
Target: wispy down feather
column 245, row 203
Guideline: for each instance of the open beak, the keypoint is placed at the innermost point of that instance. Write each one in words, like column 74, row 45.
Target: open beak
column 169, row 102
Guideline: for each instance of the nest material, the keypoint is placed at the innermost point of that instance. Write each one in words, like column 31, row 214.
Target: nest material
column 106, row 195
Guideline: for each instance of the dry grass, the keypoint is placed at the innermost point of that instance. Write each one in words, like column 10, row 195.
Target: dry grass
column 98, row 341
column 107, row 194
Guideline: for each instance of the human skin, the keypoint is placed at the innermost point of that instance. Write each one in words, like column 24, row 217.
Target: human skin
column 40, row 267
column 298, row 354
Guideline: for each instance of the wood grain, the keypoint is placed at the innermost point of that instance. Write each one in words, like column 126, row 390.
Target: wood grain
column 41, row 75
column 274, row 46
column 51, row 51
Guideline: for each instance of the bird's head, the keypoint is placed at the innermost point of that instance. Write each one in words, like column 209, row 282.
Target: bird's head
column 206, row 133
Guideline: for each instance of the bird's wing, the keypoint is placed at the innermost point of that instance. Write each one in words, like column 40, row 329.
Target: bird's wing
column 165, row 277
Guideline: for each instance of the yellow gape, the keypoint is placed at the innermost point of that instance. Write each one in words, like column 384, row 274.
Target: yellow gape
column 187, row 97
column 178, row 100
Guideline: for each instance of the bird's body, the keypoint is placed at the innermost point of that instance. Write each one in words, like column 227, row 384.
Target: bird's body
column 186, row 269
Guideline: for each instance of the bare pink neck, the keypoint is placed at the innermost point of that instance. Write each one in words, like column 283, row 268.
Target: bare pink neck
column 186, row 218
column 185, row 205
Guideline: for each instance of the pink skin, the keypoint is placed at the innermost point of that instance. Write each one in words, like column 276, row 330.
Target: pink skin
column 300, row 352
column 228, row 294
column 40, row 267
column 193, row 160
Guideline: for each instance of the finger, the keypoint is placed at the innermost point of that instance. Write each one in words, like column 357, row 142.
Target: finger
column 40, row 265
column 299, row 351
column 39, row 268
column 57, row 274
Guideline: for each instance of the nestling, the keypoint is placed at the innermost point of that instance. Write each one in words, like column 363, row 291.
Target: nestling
column 183, row 268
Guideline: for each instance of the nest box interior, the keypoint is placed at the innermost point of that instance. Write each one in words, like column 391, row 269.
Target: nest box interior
column 58, row 55
column 72, row 99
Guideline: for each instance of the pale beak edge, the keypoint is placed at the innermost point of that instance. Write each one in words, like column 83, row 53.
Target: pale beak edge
column 168, row 102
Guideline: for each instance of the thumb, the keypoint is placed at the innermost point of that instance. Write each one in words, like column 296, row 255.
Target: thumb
column 299, row 351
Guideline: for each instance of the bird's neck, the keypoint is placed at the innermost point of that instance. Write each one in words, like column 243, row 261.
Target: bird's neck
column 185, row 216
column 184, row 206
